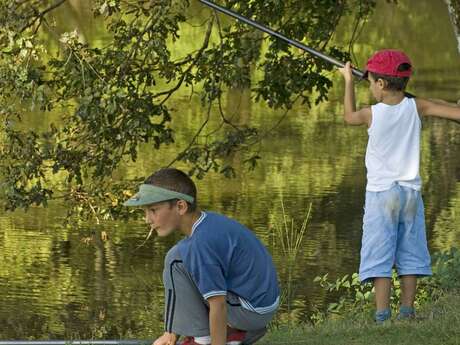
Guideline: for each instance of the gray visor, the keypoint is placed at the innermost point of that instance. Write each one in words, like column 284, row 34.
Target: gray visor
column 150, row 194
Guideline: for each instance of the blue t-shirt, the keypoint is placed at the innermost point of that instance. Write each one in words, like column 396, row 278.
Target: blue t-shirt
column 223, row 255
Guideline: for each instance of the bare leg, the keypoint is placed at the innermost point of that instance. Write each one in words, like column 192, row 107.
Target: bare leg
column 382, row 293
column 408, row 290
column 382, row 299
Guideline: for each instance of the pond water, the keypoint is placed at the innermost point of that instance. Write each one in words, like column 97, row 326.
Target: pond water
column 62, row 281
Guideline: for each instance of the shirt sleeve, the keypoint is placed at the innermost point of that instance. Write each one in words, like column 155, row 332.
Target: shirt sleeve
column 207, row 269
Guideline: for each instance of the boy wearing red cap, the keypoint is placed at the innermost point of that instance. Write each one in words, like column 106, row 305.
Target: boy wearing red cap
column 393, row 223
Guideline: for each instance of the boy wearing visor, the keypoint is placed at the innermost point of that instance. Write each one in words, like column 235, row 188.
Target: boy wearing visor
column 220, row 282
column 394, row 223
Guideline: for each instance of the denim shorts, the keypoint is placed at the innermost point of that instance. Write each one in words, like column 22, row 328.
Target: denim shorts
column 394, row 234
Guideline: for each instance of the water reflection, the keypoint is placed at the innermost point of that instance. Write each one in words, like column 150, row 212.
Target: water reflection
column 71, row 282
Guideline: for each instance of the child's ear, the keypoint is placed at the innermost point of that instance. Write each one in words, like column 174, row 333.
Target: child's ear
column 381, row 83
column 182, row 206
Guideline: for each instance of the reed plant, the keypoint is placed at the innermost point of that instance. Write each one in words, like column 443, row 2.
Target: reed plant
column 288, row 236
column 287, row 241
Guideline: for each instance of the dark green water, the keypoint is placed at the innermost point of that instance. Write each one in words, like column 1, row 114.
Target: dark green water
column 67, row 282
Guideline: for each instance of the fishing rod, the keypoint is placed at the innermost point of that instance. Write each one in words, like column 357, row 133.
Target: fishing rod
column 333, row 61
column 76, row 342
column 274, row 33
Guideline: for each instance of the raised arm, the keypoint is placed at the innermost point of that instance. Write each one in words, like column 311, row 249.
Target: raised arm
column 351, row 115
column 438, row 108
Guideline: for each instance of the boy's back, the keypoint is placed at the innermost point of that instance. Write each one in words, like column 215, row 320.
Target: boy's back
column 223, row 255
column 393, row 150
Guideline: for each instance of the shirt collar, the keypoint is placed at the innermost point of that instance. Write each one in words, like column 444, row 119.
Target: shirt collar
column 198, row 222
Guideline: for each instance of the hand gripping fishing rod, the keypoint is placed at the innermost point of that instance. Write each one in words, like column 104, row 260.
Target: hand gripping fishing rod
column 274, row 33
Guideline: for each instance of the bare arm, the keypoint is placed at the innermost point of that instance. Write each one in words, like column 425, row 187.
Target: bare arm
column 351, row 115
column 166, row 339
column 218, row 320
column 438, row 108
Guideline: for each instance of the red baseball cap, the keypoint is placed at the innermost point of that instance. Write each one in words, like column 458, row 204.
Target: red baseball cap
column 387, row 61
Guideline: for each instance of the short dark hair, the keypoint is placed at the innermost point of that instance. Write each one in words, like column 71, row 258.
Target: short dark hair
column 175, row 180
column 394, row 83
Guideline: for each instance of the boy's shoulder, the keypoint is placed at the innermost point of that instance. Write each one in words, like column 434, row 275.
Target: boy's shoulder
column 406, row 103
column 214, row 232
column 405, row 99
column 215, row 227
column 214, row 218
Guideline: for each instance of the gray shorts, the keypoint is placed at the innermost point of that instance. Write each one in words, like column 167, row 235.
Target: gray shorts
column 187, row 312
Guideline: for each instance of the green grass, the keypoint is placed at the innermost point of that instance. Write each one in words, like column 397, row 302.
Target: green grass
column 437, row 323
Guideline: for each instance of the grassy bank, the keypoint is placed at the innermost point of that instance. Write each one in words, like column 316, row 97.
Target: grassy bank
column 437, row 323
column 351, row 322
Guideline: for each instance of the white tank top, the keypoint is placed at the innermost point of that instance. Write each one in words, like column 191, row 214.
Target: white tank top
column 393, row 149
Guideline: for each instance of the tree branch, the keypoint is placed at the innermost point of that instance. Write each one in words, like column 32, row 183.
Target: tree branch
column 169, row 92
column 43, row 13
column 190, row 144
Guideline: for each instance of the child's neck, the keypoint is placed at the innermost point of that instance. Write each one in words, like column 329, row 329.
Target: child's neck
column 188, row 221
column 392, row 97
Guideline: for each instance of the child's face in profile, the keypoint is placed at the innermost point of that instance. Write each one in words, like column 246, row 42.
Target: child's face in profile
column 163, row 217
